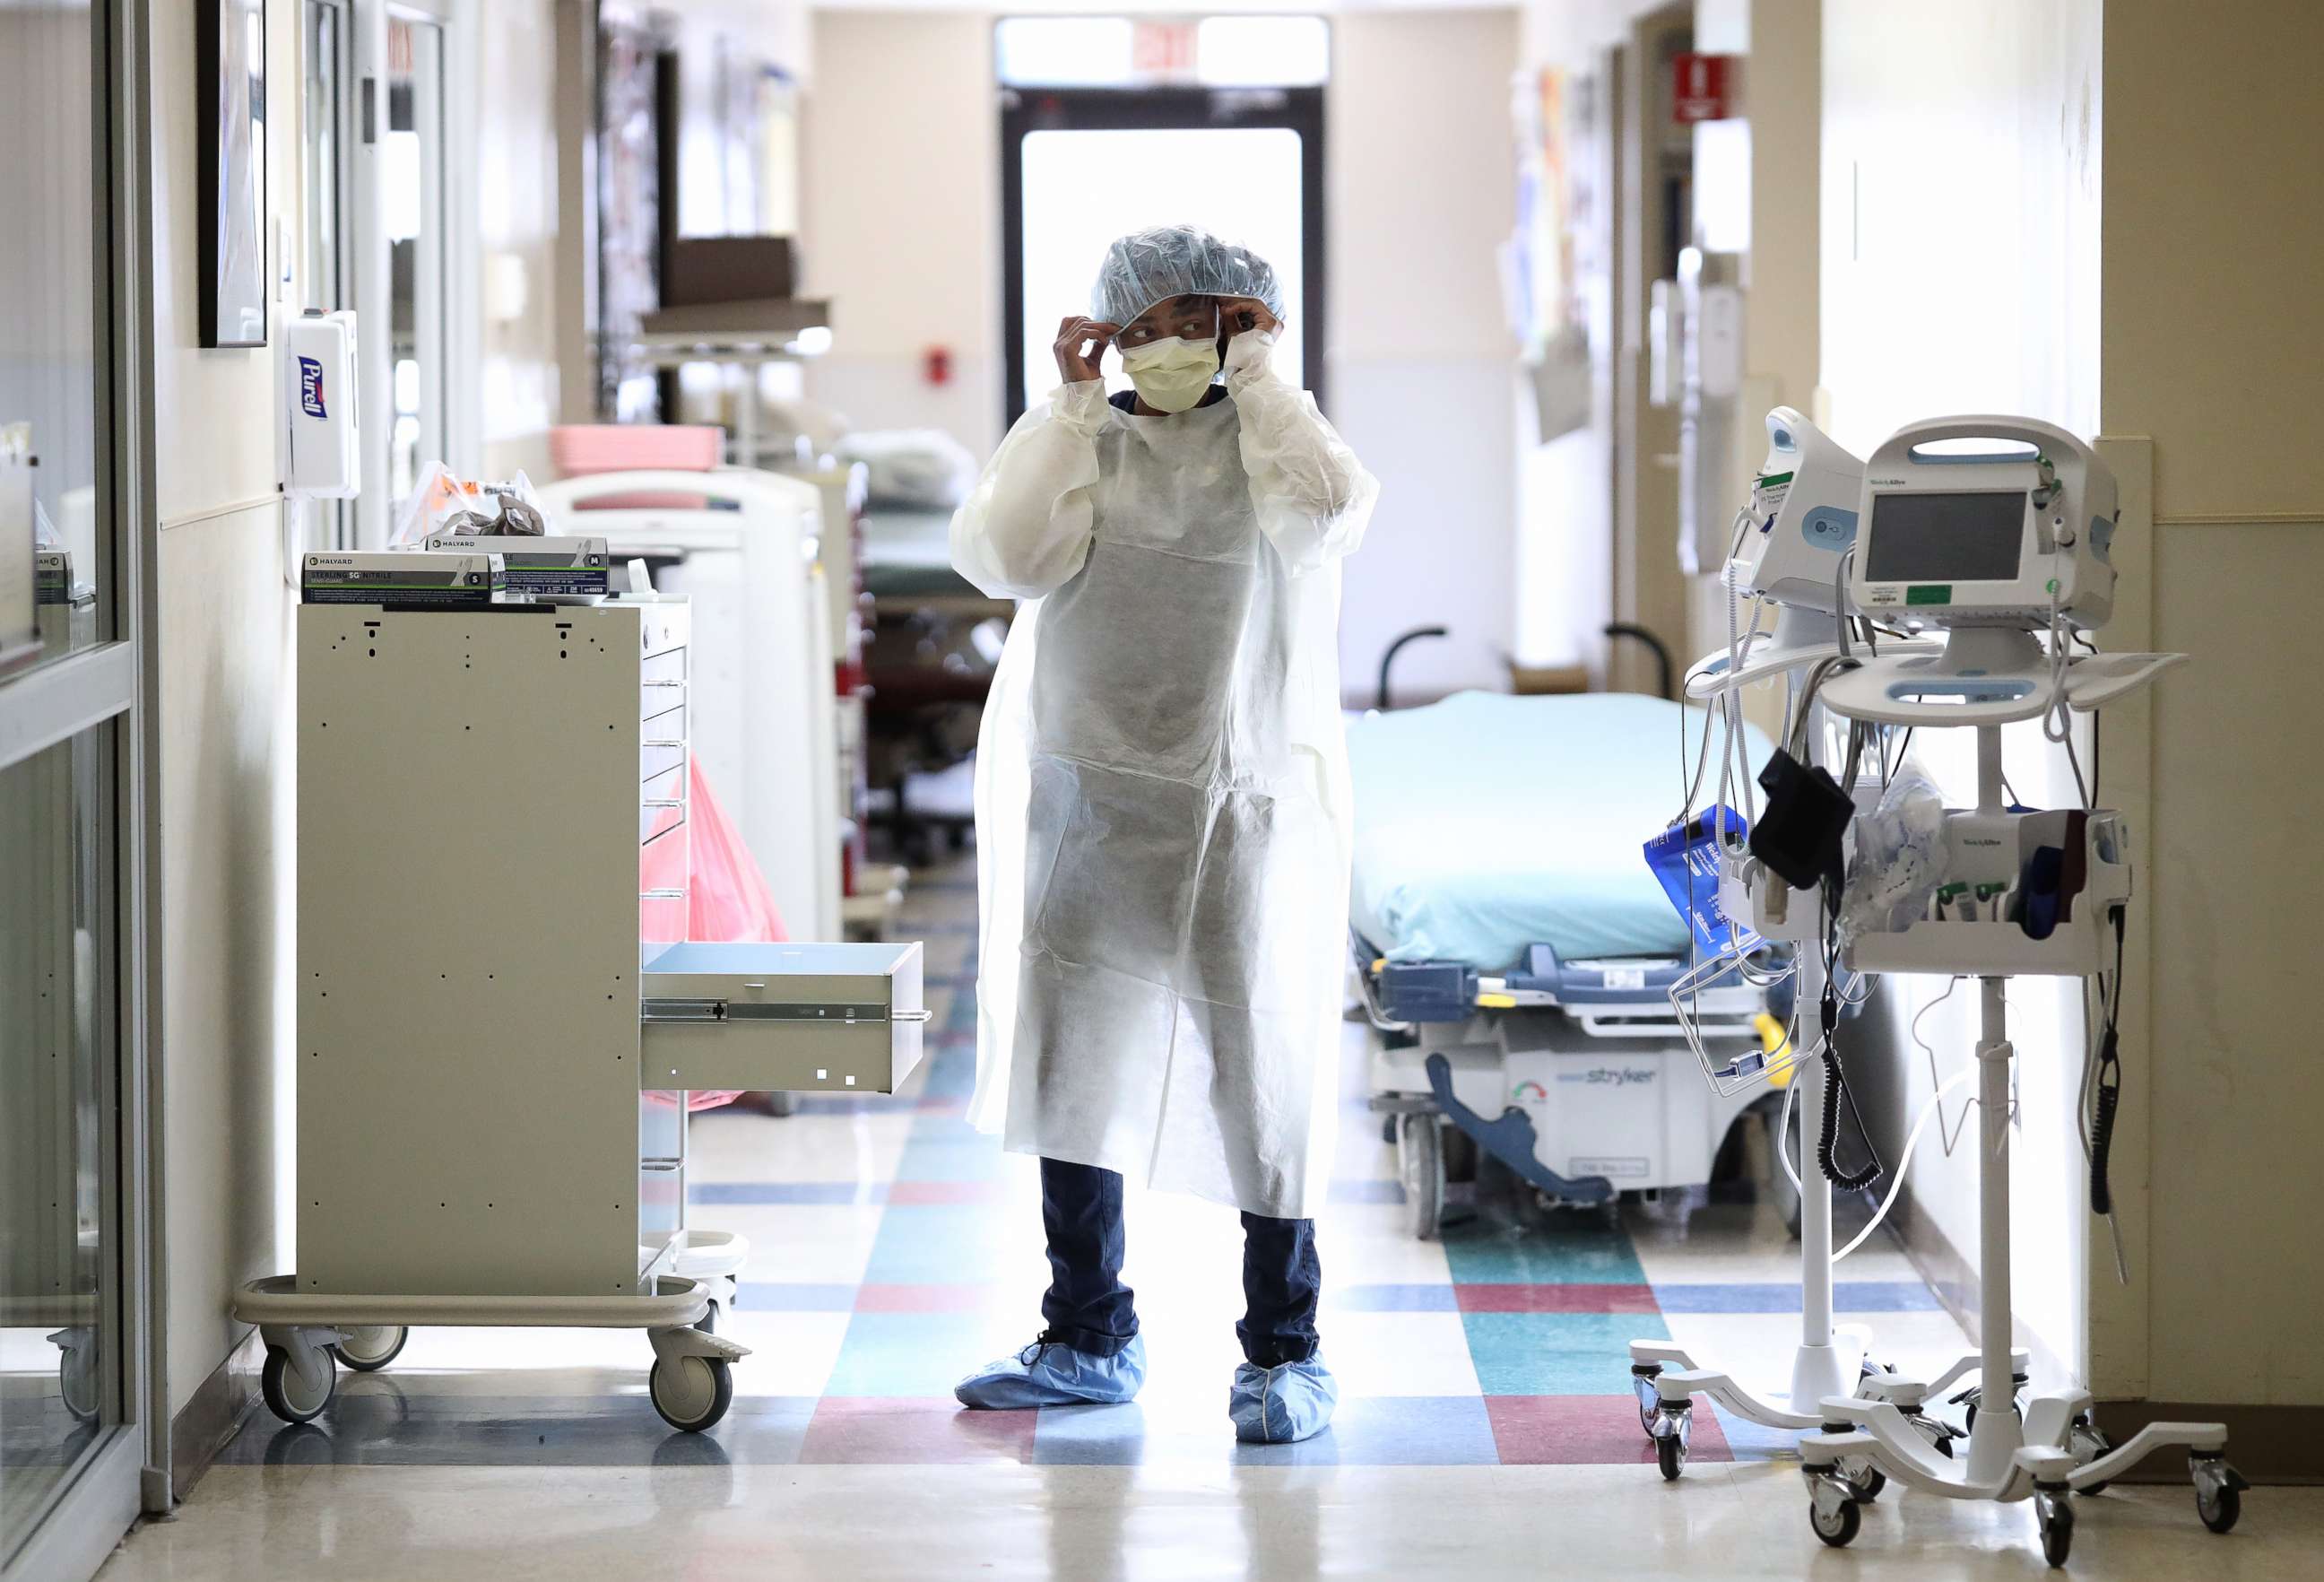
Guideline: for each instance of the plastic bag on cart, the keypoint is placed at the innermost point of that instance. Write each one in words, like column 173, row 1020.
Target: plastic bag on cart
column 444, row 503
column 1899, row 858
column 727, row 898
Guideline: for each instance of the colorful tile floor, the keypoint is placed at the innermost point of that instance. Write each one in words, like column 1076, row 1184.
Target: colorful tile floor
column 893, row 1248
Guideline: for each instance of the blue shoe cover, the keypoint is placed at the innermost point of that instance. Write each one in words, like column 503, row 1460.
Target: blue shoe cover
column 1275, row 1406
column 1049, row 1372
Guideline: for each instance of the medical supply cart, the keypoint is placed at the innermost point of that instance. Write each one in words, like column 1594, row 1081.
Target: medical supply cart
column 1991, row 546
column 493, row 978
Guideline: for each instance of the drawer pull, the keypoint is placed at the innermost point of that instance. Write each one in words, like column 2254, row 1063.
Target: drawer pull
column 733, row 1011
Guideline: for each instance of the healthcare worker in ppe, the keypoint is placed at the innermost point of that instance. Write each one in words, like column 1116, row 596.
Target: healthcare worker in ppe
column 1162, row 812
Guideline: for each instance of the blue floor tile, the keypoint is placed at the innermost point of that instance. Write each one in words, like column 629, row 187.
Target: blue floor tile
column 941, row 1149
column 792, row 1297
column 1573, row 1249
column 1392, row 1298
column 948, row 1243
column 1858, row 1296
column 1556, row 1354
column 916, row 1355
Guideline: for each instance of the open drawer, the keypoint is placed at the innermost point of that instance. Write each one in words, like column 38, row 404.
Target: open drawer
column 781, row 1017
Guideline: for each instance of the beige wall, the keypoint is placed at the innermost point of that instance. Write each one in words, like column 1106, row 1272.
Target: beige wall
column 900, row 220
column 225, row 771
column 2214, row 221
column 1421, row 195
column 1960, row 258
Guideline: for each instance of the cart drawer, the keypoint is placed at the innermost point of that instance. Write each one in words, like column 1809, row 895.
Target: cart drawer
column 785, row 1017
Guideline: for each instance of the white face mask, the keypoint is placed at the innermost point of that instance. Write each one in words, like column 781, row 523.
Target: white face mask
column 1172, row 375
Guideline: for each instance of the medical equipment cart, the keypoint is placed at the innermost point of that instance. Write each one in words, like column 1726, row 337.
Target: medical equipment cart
column 1830, row 1358
column 492, row 980
column 1990, row 546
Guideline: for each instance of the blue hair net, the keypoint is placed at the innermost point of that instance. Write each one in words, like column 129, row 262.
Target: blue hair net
column 1152, row 266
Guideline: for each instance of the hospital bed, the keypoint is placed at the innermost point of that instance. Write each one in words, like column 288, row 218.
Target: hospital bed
column 1514, row 955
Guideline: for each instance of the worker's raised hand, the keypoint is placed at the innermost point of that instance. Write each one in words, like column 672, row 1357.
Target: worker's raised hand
column 1237, row 314
column 1081, row 348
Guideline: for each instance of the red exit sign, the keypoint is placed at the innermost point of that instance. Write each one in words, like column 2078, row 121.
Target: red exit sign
column 1706, row 87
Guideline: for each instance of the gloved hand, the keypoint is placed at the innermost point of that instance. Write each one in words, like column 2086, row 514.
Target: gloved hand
column 1081, row 348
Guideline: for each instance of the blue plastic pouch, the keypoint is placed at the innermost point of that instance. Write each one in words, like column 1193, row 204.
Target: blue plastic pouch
column 1686, row 861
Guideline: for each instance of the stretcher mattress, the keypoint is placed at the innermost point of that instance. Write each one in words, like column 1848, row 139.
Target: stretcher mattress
column 908, row 554
column 1486, row 824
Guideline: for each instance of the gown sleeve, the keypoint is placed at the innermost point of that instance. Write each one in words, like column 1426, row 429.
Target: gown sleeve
column 1313, row 497
column 1024, row 531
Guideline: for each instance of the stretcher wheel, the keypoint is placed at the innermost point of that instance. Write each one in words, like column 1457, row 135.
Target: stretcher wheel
column 2218, row 1493
column 2088, row 1441
column 1650, row 1405
column 289, row 1398
column 692, row 1394
column 780, row 1103
column 367, row 1350
column 1839, row 1528
column 77, row 1383
column 2054, row 1517
column 1420, row 1154
column 708, row 1322
column 1670, row 1455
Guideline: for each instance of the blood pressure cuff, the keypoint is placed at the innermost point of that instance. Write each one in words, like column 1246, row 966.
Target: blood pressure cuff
column 1801, row 823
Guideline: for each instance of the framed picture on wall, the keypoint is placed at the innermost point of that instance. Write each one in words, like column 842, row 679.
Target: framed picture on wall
column 230, row 60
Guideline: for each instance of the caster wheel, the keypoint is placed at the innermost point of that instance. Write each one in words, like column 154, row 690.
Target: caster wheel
column 1420, row 1149
column 2219, row 1495
column 1387, row 1131
column 2088, row 1441
column 708, row 1322
column 289, row 1397
column 1641, row 1381
column 1840, row 1527
column 693, row 1393
column 1940, row 1437
column 1670, row 1454
column 370, row 1350
column 1968, row 1419
column 77, row 1379
column 2055, row 1518
column 1869, row 1485
column 781, row 1103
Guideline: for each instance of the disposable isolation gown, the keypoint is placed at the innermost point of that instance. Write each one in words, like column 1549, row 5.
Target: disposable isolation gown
column 1162, row 801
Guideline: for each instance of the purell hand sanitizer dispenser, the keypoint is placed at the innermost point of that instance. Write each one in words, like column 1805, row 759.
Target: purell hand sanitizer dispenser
column 325, row 447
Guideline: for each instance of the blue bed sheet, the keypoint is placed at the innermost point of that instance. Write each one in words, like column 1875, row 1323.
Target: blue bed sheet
column 1487, row 823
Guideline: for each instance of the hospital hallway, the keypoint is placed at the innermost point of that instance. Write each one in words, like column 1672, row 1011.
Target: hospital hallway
column 1485, row 1425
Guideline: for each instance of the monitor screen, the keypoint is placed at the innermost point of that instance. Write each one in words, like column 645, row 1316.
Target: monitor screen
column 1945, row 538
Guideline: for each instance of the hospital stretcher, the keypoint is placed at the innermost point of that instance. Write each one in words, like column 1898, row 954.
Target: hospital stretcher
column 1514, row 955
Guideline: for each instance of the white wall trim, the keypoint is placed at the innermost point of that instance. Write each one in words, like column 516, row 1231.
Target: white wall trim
column 220, row 512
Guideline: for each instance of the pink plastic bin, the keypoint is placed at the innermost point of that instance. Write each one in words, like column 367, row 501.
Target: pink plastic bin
column 585, row 449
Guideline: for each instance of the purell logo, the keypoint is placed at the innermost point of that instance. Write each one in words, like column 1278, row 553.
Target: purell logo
column 310, row 388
